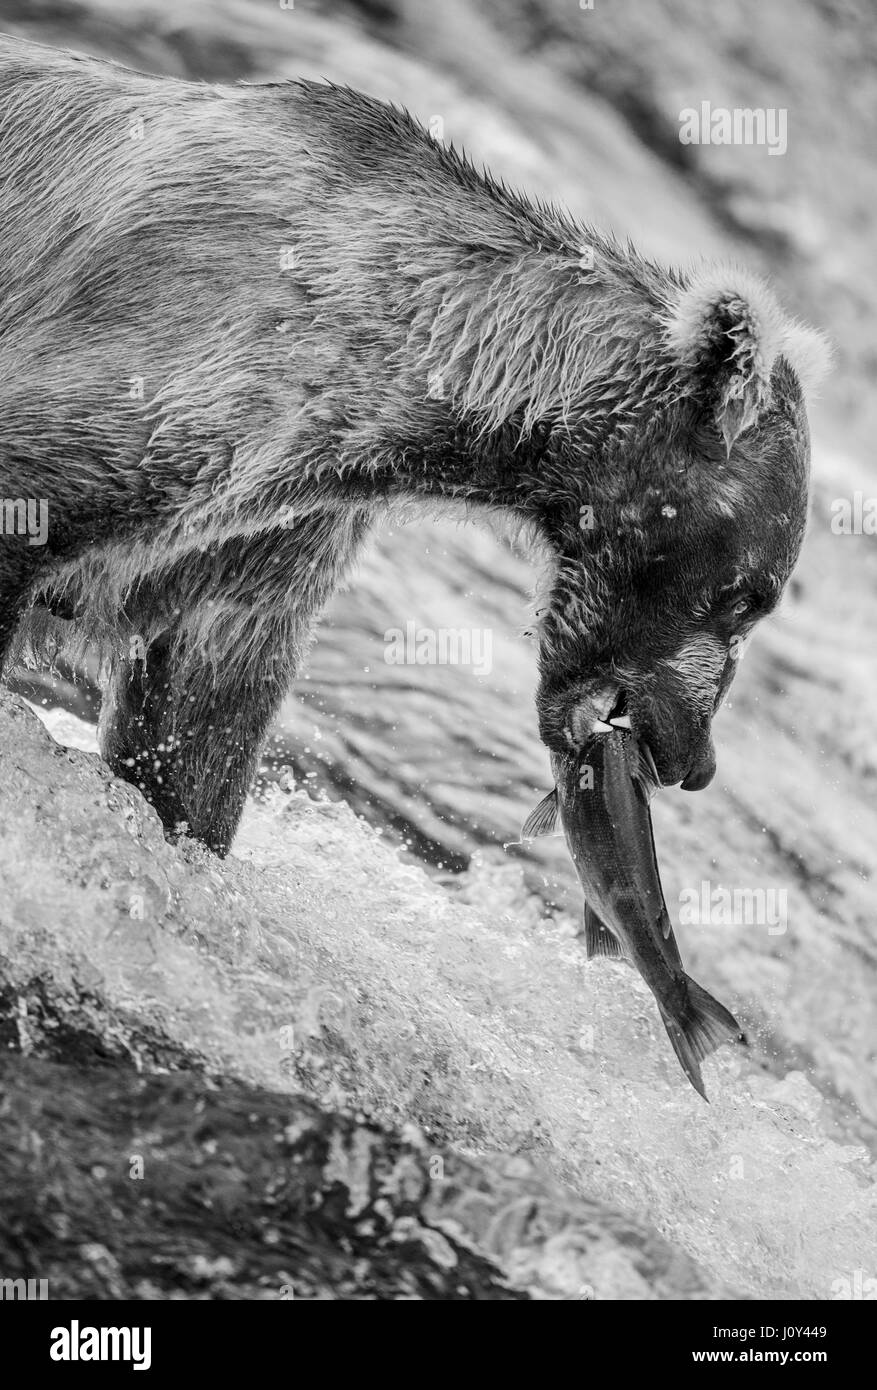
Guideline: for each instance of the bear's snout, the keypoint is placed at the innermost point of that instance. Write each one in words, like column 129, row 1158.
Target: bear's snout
column 679, row 737
column 676, row 729
column 702, row 770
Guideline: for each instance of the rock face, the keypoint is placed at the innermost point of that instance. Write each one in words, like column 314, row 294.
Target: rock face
column 121, row 1186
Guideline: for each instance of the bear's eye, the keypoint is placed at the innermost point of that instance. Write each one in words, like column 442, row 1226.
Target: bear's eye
column 735, row 605
column 747, row 605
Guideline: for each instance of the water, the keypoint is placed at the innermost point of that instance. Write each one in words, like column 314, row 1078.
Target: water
column 316, row 957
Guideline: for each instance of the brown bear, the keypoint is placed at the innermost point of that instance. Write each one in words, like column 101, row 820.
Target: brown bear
column 237, row 323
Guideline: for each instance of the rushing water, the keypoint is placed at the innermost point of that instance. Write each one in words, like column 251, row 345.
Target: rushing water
column 316, row 956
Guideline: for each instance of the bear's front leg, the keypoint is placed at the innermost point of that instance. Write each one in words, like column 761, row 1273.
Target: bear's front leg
column 135, row 714
column 187, row 723
column 189, row 736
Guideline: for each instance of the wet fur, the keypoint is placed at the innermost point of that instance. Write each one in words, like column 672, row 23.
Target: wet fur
column 329, row 312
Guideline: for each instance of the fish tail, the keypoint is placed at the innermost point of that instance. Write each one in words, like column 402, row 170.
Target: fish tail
column 702, row 1026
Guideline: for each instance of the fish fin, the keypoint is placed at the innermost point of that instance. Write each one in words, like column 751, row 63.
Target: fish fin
column 543, row 819
column 670, row 948
column 664, row 923
column 705, row 1024
column 599, row 940
column 644, row 773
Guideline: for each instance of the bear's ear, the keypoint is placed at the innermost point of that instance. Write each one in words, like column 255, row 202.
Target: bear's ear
column 725, row 330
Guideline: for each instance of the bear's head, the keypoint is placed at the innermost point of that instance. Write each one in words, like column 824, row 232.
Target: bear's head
column 675, row 517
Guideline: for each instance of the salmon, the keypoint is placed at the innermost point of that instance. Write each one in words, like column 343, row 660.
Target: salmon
column 601, row 798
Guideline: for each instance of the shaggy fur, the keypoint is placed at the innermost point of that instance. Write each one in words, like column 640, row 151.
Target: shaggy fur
column 237, row 322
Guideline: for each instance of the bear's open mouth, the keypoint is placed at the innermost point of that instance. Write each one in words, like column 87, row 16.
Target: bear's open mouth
column 616, row 717
column 618, row 714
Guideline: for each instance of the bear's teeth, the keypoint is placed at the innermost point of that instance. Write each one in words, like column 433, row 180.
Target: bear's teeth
column 601, row 728
column 622, row 722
